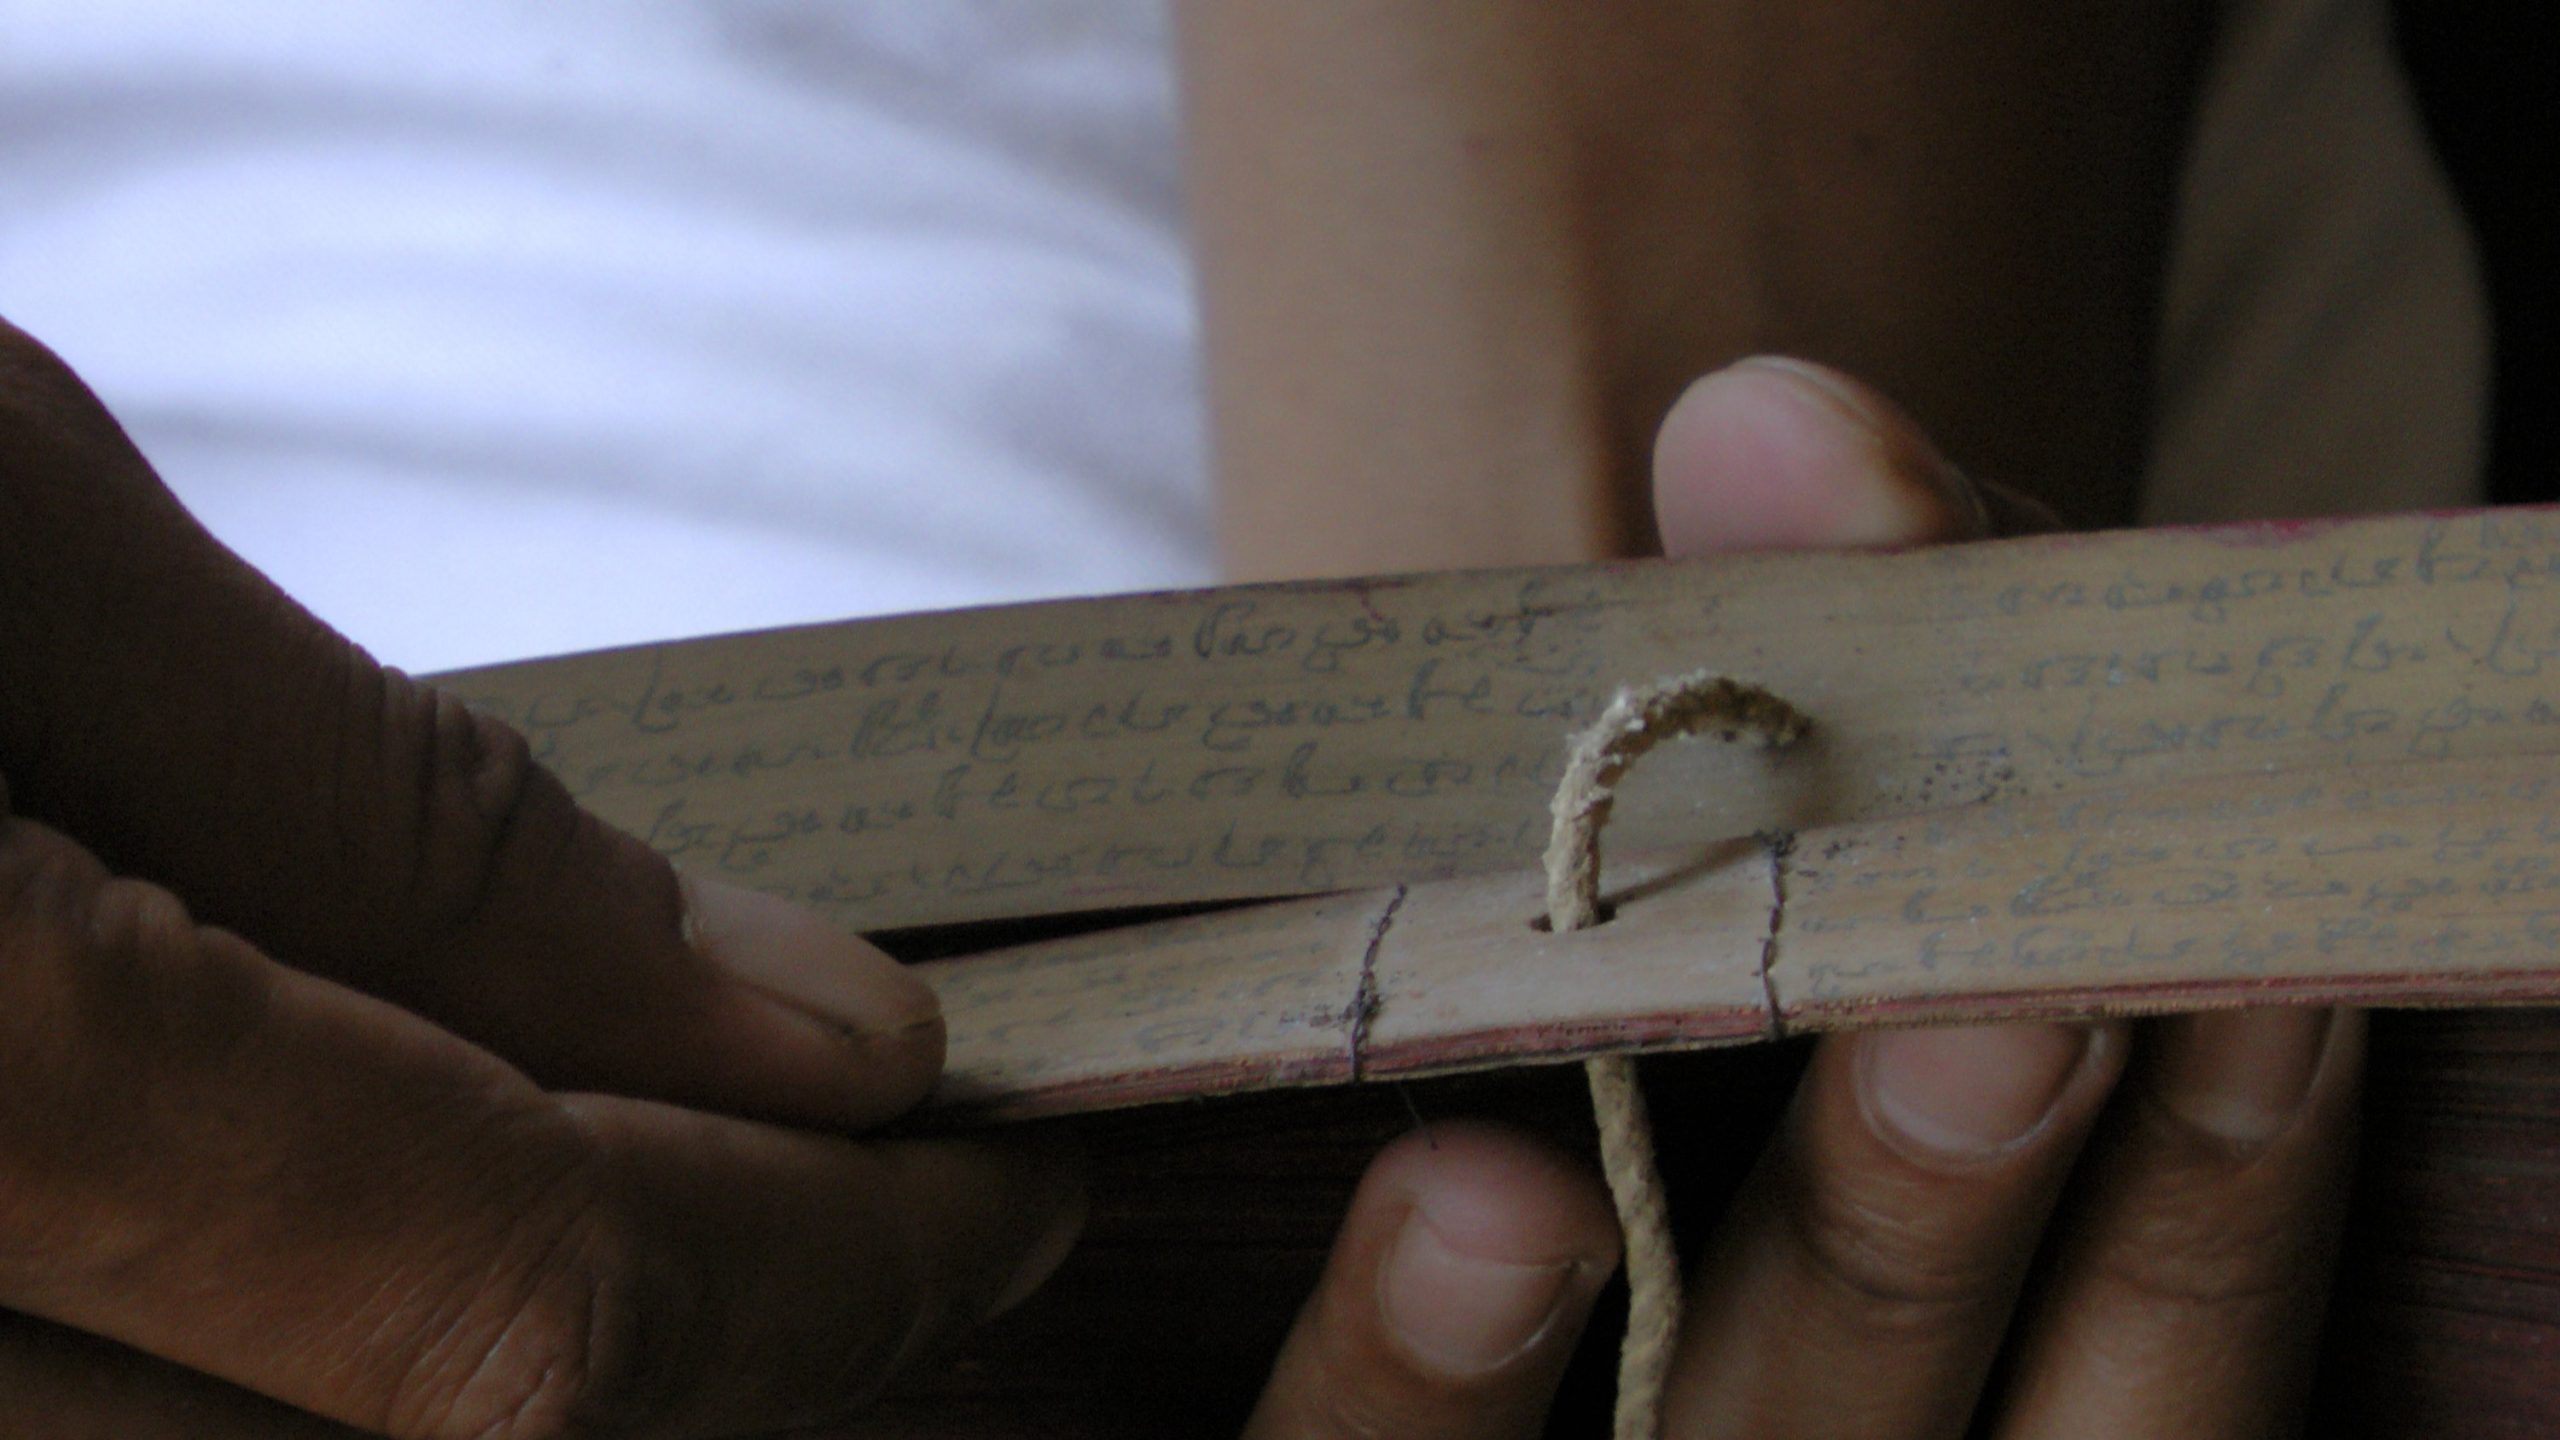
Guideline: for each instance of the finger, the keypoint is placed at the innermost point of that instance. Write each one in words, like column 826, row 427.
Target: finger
column 1777, row 454
column 193, row 725
column 2186, row 1294
column 1461, row 1279
column 58, row 1384
column 1885, row 1233
column 274, row 1180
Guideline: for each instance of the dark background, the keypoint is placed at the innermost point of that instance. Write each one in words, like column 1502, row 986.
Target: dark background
column 2486, row 78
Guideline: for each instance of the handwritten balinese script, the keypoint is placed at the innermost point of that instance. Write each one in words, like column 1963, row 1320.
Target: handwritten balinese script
column 1293, row 739
column 2412, row 882
column 2408, row 883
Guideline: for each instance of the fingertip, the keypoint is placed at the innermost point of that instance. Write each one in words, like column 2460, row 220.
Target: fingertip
column 2245, row 1077
column 1970, row 1094
column 1773, row 453
column 988, row 1218
column 1500, row 1194
column 1456, row 1291
column 782, row 1277
column 1056, row 1194
column 2200, row 1254
column 1501, row 1249
column 872, row 1021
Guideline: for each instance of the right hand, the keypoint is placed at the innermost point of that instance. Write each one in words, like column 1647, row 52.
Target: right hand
column 349, row 1070
column 2143, row 1260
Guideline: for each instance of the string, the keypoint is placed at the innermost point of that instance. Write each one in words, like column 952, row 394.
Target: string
column 1596, row 759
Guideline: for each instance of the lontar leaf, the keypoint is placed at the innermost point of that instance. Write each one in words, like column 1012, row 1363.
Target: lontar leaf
column 2125, row 771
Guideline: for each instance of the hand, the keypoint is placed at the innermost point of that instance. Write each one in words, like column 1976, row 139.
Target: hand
column 345, row 1061
column 2135, row 1223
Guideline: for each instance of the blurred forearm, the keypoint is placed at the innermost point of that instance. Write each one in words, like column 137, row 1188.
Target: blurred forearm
column 1457, row 259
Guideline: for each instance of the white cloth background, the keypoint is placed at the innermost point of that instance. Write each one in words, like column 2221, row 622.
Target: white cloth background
column 503, row 327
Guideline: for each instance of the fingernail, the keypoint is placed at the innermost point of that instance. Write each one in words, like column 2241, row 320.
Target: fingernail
column 1463, row 1315
column 1062, row 1172
column 1948, row 505
column 808, row 964
column 1854, row 405
column 2240, row 1075
column 1972, row 1091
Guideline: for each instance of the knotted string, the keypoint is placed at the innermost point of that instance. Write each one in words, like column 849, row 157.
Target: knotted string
column 1596, row 759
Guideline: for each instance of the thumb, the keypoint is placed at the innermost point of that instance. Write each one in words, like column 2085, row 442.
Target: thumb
column 168, row 706
column 1777, row 454
column 1453, row 1298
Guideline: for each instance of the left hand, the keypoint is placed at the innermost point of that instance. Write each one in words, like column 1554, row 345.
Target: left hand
column 2144, row 1248
column 347, row 1064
